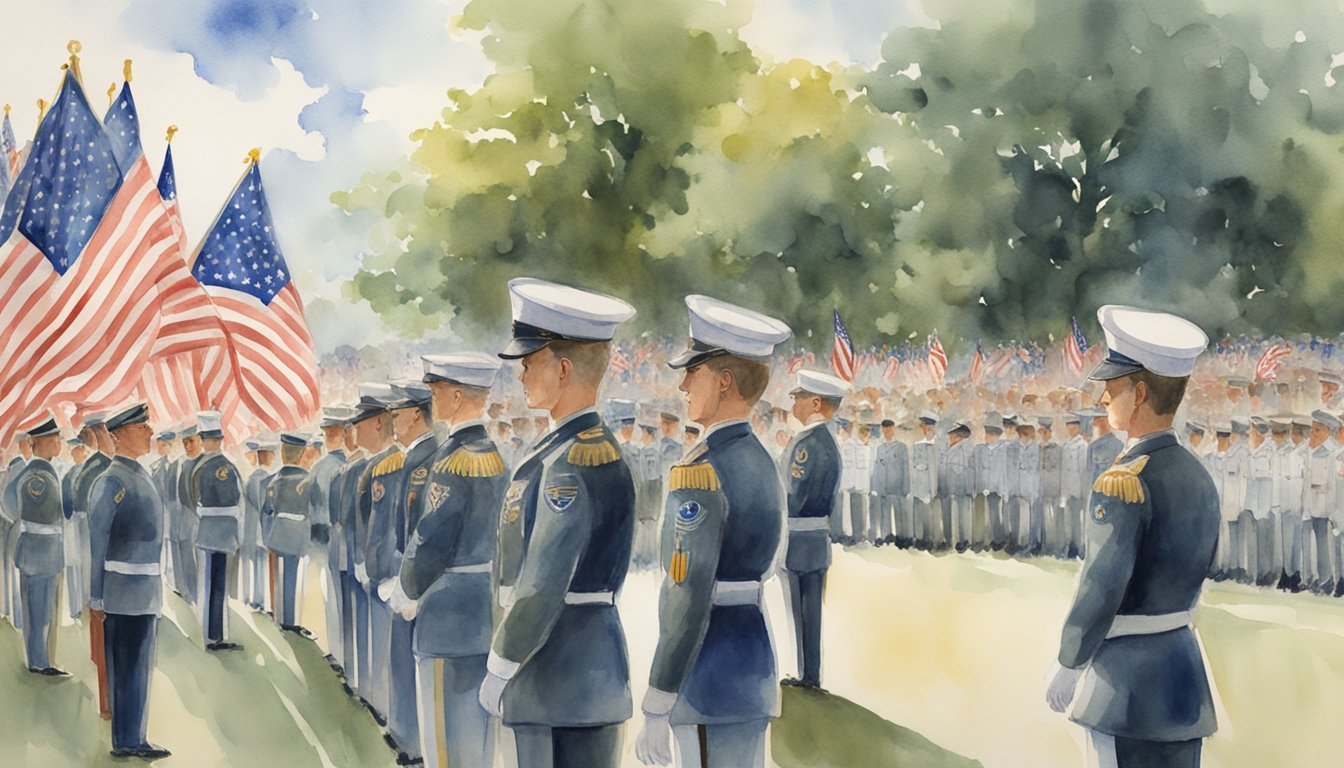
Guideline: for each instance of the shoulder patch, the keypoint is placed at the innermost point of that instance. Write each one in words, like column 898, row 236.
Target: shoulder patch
column 467, row 463
column 378, row 490
column 800, row 456
column 689, row 516
column 699, row 477
column 1121, row 481
column 37, row 487
column 585, row 454
column 389, row 465
column 119, row 495
column 222, row 473
column 561, row 494
column 437, row 493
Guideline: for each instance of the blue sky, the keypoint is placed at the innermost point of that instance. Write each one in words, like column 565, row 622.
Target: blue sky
column 330, row 89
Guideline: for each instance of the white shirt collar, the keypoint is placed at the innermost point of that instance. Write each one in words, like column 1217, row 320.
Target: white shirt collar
column 573, row 416
column 719, row 426
column 427, row 436
column 1133, row 441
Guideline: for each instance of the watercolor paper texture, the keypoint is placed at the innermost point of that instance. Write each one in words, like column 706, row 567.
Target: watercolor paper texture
column 257, row 216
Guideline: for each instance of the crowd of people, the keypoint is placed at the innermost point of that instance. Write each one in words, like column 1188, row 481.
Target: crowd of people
column 421, row 505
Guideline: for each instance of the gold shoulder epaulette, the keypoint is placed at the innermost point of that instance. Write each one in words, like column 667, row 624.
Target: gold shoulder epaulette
column 389, row 465
column 594, row 454
column 699, row 477
column 467, row 463
column 1121, row 481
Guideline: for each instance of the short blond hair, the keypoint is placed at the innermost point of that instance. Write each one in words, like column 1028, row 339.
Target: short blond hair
column 589, row 358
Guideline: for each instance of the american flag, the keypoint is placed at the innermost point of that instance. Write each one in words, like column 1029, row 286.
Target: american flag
column 1075, row 347
column 937, row 358
column 842, row 352
column 1267, row 368
column 977, row 363
column 620, row 362
column 269, row 347
column 796, row 362
column 893, row 365
column 83, row 245
column 189, row 321
column 9, row 145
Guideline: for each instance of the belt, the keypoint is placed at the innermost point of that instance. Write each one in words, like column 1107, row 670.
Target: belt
column 1136, row 624
column 477, row 568
column 290, row 516
column 41, row 529
column 78, row 513
column 737, row 593
column 809, row 524
column 505, row 596
column 219, row 511
column 590, row 598
column 132, row 569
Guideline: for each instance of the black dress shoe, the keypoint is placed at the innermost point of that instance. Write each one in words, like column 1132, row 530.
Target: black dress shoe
column 223, row 645
column 122, row 752
column 151, row 752
column 392, row 744
column 791, row 682
column 405, row 759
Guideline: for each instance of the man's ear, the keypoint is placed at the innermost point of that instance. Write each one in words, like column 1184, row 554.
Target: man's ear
column 566, row 368
column 726, row 383
column 1141, row 392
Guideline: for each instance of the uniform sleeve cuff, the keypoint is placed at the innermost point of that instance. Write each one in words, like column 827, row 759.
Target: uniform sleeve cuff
column 658, row 703
column 501, row 667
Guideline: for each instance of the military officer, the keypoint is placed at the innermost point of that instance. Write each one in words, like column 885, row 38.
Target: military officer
column 1321, row 478
column 1076, row 483
column 712, row 685
column 252, row 548
column 1052, row 488
column 398, row 483
column 1242, row 531
column 325, row 546
column 13, row 597
column 76, row 541
column 372, row 425
column 1026, row 499
column 126, row 541
column 96, row 436
column 341, row 493
column 218, row 490
column 648, row 494
column 1102, row 451
column 812, row 479
column 1258, row 519
column 40, row 554
column 286, row 530
column 444, row 582
column 925, row 511
column 557, row 671
column 991, row 477
column 184, row 518
column 956, row 482
column 891, row 485
column 1151, row 532
column 1291, row 471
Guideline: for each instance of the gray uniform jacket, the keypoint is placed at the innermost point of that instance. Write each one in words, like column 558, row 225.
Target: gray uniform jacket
column 218, row 491
column 126, row 540
column 321, row 477
column 37, row 491
column 447, row 562
column 957, row 470
column 285, row 526
column 396, row 485
column 1260, row 481
column 1145, row 556
column 344, row 508
column 570, row 511
column 254, row 496
column 1101, row 454
column 925, row 474
column 1052, row 476
column 1076, row 475
column 1321, row 479
column 721, row 530
column 891, row 469
column 1027, row 471
column 813, row 477
column 184, row 516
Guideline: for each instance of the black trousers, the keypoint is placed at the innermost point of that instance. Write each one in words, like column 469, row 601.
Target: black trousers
column 129, row 641
column 216, row 590
column 805, row 593
column 1135, row 753
column 540, row 746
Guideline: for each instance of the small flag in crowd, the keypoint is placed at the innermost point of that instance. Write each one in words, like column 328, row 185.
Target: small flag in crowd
column 937, row 358
column 977, row 363
column 1267, row 368
column 842, row 352
column 1075, row 347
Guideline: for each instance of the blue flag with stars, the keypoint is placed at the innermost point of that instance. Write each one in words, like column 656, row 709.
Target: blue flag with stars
column 168, row 177
column 123, row 128
column 67, row 183
column 240, row 251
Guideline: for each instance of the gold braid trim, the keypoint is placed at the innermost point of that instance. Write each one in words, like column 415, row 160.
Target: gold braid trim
column 389, row 465
column 1121, row 481
column 699, row 477
column 465, row 463
column 593, row 454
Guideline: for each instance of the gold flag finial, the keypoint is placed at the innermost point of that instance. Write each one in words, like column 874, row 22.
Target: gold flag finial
column 41, row 109
column 6, row 110
column 171, row 130
column 254, row 156
column 74, row 47
column 111, row 93
column 126, row 71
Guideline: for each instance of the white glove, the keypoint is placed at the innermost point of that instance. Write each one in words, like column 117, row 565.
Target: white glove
column 402, row 602
column 385, row 589
column 498, row 672
column 492, row 694
column 1063, row 683
column 654, row 745
column 362, row 575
